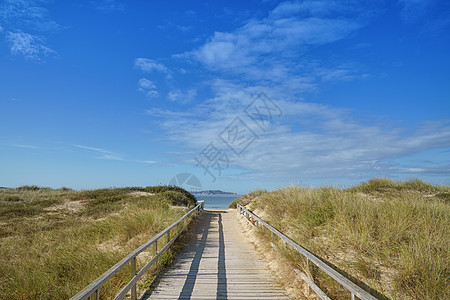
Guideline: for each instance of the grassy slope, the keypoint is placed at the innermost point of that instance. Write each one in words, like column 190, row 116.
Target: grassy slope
column 393, row 236
column 55, row 242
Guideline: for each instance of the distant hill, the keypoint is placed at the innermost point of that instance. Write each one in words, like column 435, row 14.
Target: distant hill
column 213, row 192
column 2, row 187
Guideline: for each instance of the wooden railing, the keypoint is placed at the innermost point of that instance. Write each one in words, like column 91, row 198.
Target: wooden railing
column 354, row 289
column 93, row 289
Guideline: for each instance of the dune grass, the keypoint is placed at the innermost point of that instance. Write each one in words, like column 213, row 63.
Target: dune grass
column 392, row 236
column 55, row 242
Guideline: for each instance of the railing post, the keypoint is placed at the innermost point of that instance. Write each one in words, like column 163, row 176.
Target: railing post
column 168, row 236
column 308, row 267
column 95, row 295
column 133, row 273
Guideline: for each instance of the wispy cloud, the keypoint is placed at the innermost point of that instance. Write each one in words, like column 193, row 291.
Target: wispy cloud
column 311, row 141
column 24, row 23
column 107, row 6
column 110, row 155
column 157, row 112
column 149, row 65
column 146, row 84
column 24, row 146
column 148, row 87
column 104, row 154
column 28, row 14
column 31, row 47
column 288, row 30
column 180, row 96
column 274, row 54
column 271, row 51
column 149, row 162
column 242, row 47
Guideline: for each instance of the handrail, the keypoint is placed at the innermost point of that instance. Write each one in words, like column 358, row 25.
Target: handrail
column 354, row 289
column 93, row 289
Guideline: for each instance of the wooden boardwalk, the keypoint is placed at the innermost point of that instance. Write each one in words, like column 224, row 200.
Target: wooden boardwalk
column 218, row 263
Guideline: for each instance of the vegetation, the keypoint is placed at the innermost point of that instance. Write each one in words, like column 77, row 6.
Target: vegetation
column 55, row 242
column 391, row 236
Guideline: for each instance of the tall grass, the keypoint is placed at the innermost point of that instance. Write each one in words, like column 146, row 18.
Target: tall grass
column 392, row 236
column 55, row 242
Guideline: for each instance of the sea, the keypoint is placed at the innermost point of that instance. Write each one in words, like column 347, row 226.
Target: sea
column 217, row 201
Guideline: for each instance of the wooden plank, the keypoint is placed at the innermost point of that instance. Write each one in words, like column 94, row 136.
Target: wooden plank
column 218, row 263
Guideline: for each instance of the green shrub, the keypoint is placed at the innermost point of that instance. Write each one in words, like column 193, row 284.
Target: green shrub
column 29, row 188
column 189, row 198
column 11, row 198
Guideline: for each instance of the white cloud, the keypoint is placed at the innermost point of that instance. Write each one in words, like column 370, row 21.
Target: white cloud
column 28, row 14
column 168, row 113
column 323, row 8
column 273, row 55
column 152, row 94
column 107, row 5
column 271, row 51
column 146, row 84
column 340, row 73
column 286, row 29
column 25, row 22
column 174, row 95
column 309, row 141
column 109, row 155
column 29, row 46
column 24, row 146
column 148, row 87
column 149, row 162
column 182, row 96
column 104, row 154
column 149, row 65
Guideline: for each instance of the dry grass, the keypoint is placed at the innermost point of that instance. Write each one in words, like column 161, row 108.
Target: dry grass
column 392, row 236
column 55, row 242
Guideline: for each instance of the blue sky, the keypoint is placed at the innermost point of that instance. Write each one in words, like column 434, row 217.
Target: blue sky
column 241, row 94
